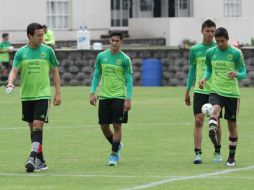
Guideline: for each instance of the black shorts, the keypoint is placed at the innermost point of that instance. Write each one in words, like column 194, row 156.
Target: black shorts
column 111, row 111
column 35, row 110
column 231, row 105
column 198, row 101
column 5, row 65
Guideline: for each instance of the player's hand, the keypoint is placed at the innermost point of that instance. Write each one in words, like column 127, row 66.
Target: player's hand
column 202, row 83
column 127, row 105
column 57, row 100
column 232, row 74
column 93, row 99
column 187, row 99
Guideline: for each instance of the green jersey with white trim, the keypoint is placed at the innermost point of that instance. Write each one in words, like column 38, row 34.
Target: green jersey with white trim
column 197, row 59
column 221, row 62
column 113, row 68
column 4, row 56
column 35, row 65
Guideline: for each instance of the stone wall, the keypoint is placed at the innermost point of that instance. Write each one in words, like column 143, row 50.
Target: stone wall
column 72, row 44
column 76, row 66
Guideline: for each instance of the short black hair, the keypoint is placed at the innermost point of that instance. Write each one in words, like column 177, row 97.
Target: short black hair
column 44, row 26
column 221, row 32
column 208, row 23
column 116, row 33
column 5, row 35
column 32, row 27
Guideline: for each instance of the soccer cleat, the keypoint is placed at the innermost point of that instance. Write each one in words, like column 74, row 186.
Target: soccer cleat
column 30, row 165
column 113, row 159
column 231, row 162
column 40, row 166
column 217, row 157
column 213, row 135
column 198, row 159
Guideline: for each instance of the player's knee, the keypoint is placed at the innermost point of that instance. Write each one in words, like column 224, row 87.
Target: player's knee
column 117, row 127
column 37, row 125
column 105, row 128
column 199, row 122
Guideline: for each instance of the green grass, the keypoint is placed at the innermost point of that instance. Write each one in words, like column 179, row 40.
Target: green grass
column 158, row 145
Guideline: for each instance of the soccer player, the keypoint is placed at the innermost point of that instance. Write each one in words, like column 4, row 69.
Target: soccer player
column 113, row 68
column 201, row 96
column 48, row 37
column 5, row 48
column 34, row 61
column 225, row 66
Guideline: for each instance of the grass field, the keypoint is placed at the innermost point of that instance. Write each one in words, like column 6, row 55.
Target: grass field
column 157, row 153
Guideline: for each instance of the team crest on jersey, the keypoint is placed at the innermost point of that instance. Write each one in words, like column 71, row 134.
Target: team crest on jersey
column 43, row 55
column 229, row 57
column 119, row 62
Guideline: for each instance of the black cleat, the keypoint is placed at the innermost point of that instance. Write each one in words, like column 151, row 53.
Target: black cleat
column 30, row 165
column 231, row 162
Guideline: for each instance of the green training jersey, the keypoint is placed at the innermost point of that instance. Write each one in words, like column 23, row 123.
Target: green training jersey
column 49, row 37
column 4, row 57
column 197, row 59
column 221, row 63
column 34, row 65
column 113, row 68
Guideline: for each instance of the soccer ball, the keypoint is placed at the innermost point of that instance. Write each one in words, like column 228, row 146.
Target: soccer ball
column 207, row 109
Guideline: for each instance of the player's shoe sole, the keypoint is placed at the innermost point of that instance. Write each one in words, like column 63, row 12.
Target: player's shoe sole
column 213, row 136
column 231, row 164
column 38, row 169
column 40, row 166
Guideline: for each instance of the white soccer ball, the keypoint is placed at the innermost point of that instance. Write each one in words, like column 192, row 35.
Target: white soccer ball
column 8, row 90
column 207, row 109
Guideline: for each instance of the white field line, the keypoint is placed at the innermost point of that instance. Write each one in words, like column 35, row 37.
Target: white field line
column 233, row 177
column 172, row 178
column 91, row 125
column 183, row 178
column 94, row 125
column 41, row 174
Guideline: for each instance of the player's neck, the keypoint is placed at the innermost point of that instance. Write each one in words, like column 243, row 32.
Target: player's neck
column 206, row 42
column 33, row 46
column 114, row 51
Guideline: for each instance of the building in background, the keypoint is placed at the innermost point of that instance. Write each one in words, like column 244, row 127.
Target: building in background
column 172, row 19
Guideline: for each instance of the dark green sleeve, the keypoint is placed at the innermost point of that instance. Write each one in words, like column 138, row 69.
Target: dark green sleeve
column 17, row 59
column 52, row 58
column 241, row 69
column 128, row 79
column 96, row 75
column 191, row 74
column 208, row 63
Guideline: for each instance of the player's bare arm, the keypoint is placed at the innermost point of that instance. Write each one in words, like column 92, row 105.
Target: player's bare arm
column 187, row 98
column 12, row 77
column 127, row 105
column 56, row 78
column 93, row 99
